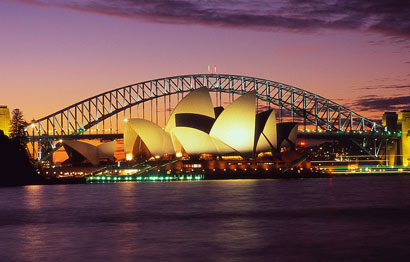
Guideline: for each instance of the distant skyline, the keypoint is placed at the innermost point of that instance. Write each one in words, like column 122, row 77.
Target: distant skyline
column 56, row 53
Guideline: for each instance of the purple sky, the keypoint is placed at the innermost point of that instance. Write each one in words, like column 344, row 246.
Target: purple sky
column 56, row 53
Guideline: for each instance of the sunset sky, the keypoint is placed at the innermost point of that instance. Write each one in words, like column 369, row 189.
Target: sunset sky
column 56, row 53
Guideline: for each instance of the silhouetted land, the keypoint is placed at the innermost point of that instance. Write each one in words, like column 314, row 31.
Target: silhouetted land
column 15, row 166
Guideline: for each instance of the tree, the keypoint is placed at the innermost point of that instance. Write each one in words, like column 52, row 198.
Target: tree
column 16, row 167
column 18, row 125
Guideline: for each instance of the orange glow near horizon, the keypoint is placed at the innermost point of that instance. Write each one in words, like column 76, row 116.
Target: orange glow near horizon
column 48, row 66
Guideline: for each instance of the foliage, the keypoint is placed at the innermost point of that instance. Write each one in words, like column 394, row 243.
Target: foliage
column 18, row 127
column 16, row 168
column 18, row 124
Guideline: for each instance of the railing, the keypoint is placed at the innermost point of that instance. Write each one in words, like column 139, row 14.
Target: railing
column 78, row 118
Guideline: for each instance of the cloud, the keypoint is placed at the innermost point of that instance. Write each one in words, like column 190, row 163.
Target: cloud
column 385, row 16
column 386, row 87
column 374, row 103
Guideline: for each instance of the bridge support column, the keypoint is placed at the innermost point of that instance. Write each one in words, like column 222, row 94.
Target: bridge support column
column 392, row 152
column 404, row 124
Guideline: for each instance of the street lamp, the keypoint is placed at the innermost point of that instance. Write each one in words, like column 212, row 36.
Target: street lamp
column 33, row 125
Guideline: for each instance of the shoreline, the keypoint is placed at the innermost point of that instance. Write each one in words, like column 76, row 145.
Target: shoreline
column 83, row 180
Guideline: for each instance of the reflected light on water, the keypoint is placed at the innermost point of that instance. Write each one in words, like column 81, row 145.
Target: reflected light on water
column 32, row 196
column 246, row 220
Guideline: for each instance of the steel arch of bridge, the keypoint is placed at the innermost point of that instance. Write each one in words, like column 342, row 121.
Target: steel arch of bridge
column 319, row 111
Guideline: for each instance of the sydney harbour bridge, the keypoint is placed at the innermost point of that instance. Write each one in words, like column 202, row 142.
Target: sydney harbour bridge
column 102, row 116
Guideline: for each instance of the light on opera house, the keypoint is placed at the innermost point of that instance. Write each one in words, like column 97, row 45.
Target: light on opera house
column 196, row 128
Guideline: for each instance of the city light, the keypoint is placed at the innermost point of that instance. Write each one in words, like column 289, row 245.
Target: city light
column 115, row 179
column 128, row 157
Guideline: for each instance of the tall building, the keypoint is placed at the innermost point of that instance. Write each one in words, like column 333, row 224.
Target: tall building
column 5, row 120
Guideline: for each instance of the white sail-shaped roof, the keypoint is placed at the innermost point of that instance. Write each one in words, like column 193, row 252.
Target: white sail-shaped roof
column 236, row 124
column 106, row 150
column 86, row 150
column 237, row 130
column 93, row 153
column 268, row 137
column 154, row 137
column 130, row 137
column 196, row 102
column 292, row 136
column 196, row 142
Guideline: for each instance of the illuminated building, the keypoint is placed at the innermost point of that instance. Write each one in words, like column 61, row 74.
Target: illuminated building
column 196, row 128
column 5, row 120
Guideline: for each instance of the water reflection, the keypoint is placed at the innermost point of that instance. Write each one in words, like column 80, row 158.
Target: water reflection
column 237, row 233
column 246, row 220
column 330, row 194
column 32, row 240
column 32, row 197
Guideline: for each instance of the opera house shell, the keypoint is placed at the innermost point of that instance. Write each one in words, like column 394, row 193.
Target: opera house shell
column 78, row 151
column 195, row 128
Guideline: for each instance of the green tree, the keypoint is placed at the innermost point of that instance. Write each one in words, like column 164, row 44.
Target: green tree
column 18, row 125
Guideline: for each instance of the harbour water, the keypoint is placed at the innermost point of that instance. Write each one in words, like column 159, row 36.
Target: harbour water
column 322, row 219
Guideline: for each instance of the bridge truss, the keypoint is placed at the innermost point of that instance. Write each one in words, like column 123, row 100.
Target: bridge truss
column 101, row 113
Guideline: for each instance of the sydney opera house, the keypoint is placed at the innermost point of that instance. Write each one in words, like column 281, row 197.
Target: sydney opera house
column 196, row 129
column 79, row 151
